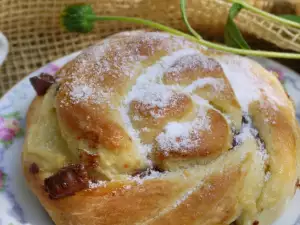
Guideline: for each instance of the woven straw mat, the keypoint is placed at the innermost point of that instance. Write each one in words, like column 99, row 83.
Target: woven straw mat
column 36, row 37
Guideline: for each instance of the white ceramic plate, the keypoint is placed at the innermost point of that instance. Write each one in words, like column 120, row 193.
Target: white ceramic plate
column 18, row 205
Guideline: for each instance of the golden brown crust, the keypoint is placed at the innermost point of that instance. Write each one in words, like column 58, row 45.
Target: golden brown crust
column 205, row 205
column 109, row 204
column 140, row 96
column 208, row 147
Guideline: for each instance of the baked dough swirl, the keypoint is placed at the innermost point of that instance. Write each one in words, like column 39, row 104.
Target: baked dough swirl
column 149, row 128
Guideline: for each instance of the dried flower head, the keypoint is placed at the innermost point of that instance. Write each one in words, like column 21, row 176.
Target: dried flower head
column 78, row 18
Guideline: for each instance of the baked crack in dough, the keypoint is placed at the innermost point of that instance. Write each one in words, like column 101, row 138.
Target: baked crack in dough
column 149, row 128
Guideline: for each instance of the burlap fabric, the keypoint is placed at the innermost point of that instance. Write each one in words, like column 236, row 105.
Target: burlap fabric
column 36, row 37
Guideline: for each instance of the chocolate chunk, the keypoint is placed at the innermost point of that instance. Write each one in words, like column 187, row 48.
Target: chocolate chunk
column 142, row 172
column 156, row 168
column 34, row 168
column 57, row 88
column 298, row 184
column 234, row 142
column 41, row 83
column 67, row 181
column 260, row 141
column 255, row 222
column 146, row 171
column 245, row 119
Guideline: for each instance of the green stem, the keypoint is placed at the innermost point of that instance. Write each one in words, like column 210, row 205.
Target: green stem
column 194, row 39
column 135, row 20
column 268, row 54
column 184, row 16
column 266, row 14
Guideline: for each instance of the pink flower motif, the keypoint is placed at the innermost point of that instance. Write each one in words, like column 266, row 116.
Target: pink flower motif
column 9, row 129
column 7, row 134
column 51, row 69
column 1, row 121
column 12, row 124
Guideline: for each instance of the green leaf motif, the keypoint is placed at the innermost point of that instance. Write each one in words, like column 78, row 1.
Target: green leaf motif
column 21, row 133
column 3, row 178
column 15, row 115
column 233, row 37
column 293, row 18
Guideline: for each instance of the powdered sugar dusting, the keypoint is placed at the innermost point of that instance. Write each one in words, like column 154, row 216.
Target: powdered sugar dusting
column 267, row 176
column 96, row 184
column 86, row 92
column 248, row 131
column 142, row 148
column 127, row 187
column 150, row 91
column 183, row 136
column 149, row 88
column 151, row 174
column 217, row 84
column 238, row 71
column 247, row 85
column 81, row 92
column 262, row 151
column 145, row 129
column 113, row 58
column 158, row 95
column 191, row 62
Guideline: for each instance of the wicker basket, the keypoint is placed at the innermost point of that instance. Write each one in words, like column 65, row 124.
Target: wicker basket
column 36, row 36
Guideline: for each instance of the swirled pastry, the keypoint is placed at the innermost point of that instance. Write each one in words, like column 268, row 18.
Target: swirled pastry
column 149, row 128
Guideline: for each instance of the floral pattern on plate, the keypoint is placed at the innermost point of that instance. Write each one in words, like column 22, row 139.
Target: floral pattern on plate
column 10, row 128
column 3, row 177
column 19, row 205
